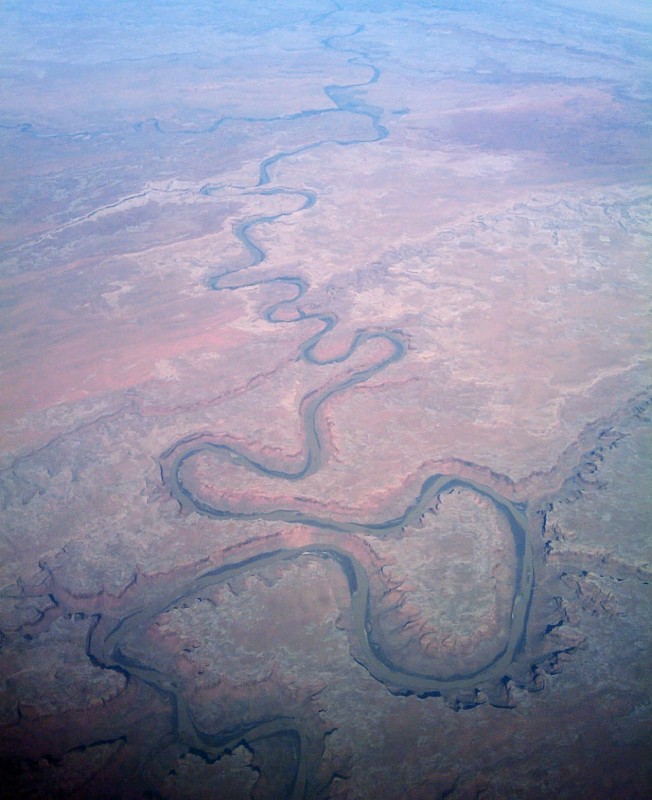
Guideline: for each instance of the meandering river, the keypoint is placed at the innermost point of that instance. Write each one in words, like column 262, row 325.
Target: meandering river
column 109, row 648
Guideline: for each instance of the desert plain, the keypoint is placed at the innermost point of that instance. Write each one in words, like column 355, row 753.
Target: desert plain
column 325, row 382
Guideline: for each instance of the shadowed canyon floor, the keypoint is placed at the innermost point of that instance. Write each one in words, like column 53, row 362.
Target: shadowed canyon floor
column 325, row 365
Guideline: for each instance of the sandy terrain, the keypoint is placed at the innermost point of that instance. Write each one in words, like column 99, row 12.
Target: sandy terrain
column 325, row 364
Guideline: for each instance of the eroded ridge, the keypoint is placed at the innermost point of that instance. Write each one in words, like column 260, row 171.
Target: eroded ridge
column 111, row 646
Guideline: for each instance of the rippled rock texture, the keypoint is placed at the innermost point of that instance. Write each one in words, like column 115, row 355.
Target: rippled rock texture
column 326, row 395
column 452, row 584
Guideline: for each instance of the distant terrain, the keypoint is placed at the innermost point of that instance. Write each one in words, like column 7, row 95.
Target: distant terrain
column 326, row 394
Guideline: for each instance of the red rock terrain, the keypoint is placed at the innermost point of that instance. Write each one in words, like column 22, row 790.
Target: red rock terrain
column 325, row 402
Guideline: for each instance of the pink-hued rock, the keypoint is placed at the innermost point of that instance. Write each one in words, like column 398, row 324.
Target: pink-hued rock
column 367, row 517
